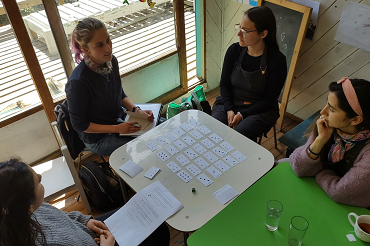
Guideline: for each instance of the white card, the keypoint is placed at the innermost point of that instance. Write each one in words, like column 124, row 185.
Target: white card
column 171, row 149
column 204, row 130
column 239, row 156
column 184, row 176
column 225, row 194
column 210, row 156
column 131, row 168
column 173, row 166
column 186, row 127
column 190, row 153
column 201, row 162
column 196, row 134
column 161, row 140
column 208, row 143
column 231, row 161
column 220, row 152
column 153, row 146
column 180, row 144
column 193, row 122
column 227, row 146
column 163, row 155
column 152, row 172
column 187, row 139
column 204, row 179
column 222, row 166
column 199, row 148
column 351, row 238
column 178, row 132
column 182, row 159
column 170, row 136
column 193, row 169
column 215, row 138
column 214, row 172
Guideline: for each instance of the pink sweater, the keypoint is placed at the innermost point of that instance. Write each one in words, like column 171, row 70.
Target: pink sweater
column 352, row 189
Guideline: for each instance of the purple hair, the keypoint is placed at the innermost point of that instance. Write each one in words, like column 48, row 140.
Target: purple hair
column 82, row 34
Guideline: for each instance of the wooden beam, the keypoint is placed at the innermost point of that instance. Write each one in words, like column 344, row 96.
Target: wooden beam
column 181, row 41
column 30, row 57
column 59, row 35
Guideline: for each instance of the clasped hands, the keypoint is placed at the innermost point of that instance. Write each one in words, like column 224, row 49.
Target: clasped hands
column 105, row 237
column 233, row 119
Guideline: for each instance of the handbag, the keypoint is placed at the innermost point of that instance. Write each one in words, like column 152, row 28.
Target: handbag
column 101, row 185
column 196, row 100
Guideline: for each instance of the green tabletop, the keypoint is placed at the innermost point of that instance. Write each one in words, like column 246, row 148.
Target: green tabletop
column 243, row 221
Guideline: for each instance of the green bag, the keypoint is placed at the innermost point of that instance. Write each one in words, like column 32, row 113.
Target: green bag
column 191, row 102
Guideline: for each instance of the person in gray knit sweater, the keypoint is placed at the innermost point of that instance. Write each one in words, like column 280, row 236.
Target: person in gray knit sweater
column 337, row 152
column 26, row 221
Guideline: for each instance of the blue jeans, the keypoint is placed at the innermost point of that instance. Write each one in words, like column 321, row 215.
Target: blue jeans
column 108, row 144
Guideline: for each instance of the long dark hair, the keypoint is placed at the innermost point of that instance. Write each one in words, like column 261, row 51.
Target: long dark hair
column 362, row 88
column 18, row 226
column 264, row 19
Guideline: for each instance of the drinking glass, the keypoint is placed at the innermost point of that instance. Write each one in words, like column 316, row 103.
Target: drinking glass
column 298, row 228
column 273, row 213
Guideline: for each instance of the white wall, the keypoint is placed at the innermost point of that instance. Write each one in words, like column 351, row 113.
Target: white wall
column 321, row 61
column 32, row 138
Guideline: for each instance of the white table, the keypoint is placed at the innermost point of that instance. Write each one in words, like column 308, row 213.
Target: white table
column 201, row 206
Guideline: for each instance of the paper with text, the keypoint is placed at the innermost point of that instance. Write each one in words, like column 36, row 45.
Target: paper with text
column 142, row 214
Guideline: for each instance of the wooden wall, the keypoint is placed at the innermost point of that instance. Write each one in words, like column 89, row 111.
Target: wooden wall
column 321, row 61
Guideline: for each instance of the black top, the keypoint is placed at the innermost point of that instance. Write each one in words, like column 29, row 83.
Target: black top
column 92, row 98
column 276, row 75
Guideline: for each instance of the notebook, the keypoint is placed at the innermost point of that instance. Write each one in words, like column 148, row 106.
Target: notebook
column 156, row 108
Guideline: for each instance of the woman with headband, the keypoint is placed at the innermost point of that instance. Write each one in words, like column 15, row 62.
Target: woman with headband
column 337, row 152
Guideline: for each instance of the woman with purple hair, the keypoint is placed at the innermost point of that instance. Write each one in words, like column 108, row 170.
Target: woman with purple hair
column 94, row 91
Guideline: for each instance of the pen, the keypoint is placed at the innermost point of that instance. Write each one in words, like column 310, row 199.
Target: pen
column 137, row 125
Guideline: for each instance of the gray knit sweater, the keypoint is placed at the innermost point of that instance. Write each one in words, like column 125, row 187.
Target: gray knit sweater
column 64, row 229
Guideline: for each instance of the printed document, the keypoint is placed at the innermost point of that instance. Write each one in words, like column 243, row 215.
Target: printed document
column 142, row 214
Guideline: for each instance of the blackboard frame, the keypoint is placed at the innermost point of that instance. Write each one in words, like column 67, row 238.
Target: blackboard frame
column 306, row 11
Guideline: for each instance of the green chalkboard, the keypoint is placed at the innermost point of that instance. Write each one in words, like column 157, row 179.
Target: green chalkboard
column 291, row 22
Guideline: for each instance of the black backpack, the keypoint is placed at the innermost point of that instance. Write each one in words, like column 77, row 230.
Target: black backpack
column 70, row 136
column 101, row 185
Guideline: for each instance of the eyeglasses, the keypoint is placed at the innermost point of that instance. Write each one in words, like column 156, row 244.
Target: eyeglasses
column 244, row 32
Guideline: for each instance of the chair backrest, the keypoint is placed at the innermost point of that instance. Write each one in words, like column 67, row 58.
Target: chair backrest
column 68, row 134
column 71, row 165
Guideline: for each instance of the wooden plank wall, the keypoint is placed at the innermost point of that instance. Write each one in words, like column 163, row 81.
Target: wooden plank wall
column 321, row 61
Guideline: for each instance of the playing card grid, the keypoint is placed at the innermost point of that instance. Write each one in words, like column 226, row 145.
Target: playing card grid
column 193, row 142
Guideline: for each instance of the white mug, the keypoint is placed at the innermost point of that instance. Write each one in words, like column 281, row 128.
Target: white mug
column 360, row 219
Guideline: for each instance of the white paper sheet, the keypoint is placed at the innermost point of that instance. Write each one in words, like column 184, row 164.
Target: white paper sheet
column 225, row 194
column 142, row 214
column 354, row 26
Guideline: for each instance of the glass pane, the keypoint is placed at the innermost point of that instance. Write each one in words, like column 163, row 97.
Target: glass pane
column 140, row 33
column 17, row 91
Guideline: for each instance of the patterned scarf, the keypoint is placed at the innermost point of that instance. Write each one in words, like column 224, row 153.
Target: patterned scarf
column 343, row 142
column 100, row 69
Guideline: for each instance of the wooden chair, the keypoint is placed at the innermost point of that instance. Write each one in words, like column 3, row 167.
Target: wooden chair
column 70, row 164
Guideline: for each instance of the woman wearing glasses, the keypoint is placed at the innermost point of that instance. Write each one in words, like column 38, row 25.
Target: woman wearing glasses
column 253, row 75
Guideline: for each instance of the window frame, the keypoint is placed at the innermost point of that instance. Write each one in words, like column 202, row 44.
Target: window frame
column 13, row 12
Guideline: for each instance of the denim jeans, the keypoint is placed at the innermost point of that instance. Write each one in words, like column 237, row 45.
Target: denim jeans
column 108, row 144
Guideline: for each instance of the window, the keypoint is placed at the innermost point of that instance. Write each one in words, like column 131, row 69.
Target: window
column 140, row 34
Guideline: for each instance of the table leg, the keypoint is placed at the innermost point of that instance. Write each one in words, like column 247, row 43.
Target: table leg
column 186, row 235
column 124, row 190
